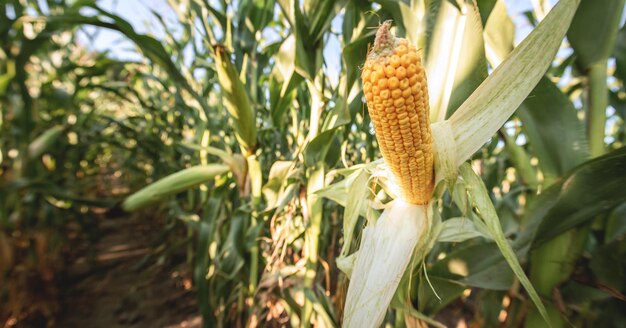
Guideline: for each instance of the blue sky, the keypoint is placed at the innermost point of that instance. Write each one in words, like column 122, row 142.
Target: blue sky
column 136, row 12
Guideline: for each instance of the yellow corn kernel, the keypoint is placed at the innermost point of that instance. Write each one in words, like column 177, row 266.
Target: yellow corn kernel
column 400, row 114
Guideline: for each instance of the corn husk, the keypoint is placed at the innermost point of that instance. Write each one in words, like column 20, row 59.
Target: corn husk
column 386, row 251
column 172, row 184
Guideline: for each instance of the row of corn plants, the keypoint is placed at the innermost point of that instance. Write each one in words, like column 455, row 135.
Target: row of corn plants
column 66, row 151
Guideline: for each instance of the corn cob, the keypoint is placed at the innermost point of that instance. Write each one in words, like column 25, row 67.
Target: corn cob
column 172, row 184
column 394, row 84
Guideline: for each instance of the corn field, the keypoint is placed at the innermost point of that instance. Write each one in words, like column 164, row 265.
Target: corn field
column 316, row 163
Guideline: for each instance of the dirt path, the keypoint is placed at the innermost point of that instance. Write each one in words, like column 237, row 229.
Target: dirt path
column 120, row 288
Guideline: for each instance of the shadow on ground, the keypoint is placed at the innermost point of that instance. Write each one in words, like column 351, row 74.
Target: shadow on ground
column 118, row 284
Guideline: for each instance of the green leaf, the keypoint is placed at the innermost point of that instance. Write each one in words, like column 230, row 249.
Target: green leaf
column 608, row 263
column 151, row 48
column 473, row 266
column 286, row 57
column 593, row 30
column 321, row 14
column 206, row 229
column 455, row 61
column 487, row 8
column 471, row 68
column 399, row 304
column 282, row 94
column 593, row 188
column 354, row 55
column 486, row 110
column 553, row 262
column 276, row 182
column 479, row 197
column 499, row 33
column 619, row 52
column 552, row 127
column 616, row 224
column 321, row 147
column 447, row 290
column 230, row 258
column 576, row 293
column 338, row 192
column 521, row 161
column 357, row 197
column 307, row 41
column 337, row 116
column 456, row 230
column 6, row 78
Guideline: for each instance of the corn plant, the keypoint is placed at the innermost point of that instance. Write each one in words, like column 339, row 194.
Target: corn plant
column 315, row 173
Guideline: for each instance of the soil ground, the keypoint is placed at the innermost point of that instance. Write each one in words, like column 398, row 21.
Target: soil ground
column 119, row 283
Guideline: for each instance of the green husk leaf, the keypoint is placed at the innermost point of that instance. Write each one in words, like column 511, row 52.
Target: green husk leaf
column 357, row 197
column 479, row 197
column 445, row 153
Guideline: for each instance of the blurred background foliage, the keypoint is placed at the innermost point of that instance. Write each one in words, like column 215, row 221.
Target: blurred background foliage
column 261, row 101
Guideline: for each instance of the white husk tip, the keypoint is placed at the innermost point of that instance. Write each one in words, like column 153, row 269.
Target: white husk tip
column 386, row 250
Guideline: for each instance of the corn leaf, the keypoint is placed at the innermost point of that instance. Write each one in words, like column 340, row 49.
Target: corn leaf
column 357, row 198
column 486, row 110
column 455, row 230
column 471, row 68
column 486, row 9
column 479, row 265
column 206, row 229
column 480, row 199
column 456, row 32
column 616, row 224
column 499, row 34
column 552, row 127
column 447, row 291
column 594, row 29
column 521, row 161
column 276, row 182
column 619, row 52
column 595, row 193
column 592, row 188
column 558, row 260
column 609, row 267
